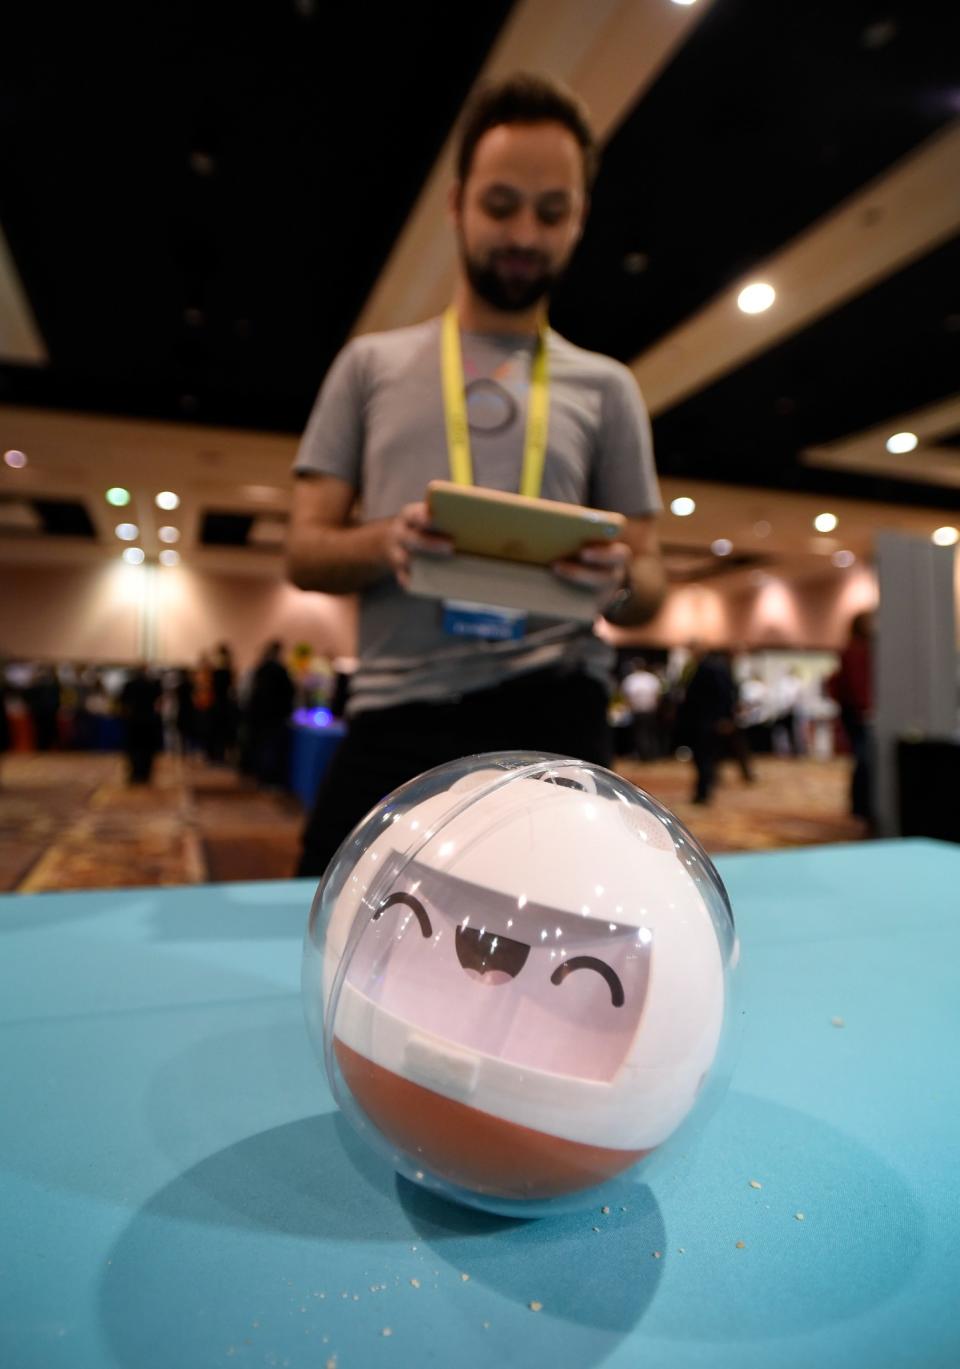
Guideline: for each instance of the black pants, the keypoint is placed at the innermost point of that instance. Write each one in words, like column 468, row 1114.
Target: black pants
column 140, row 758
column 705, row 744
column 860, row 736
column 267, row 749
column 547, row 710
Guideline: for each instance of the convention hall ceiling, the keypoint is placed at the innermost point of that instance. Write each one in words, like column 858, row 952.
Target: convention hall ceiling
column 200, row 203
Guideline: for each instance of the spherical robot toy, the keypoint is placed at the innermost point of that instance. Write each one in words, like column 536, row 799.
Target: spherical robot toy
column 518, row 971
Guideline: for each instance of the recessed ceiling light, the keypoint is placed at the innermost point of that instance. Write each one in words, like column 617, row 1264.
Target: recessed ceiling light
column 168, row 534
column 843, row 559
column 133, row 556
column 722, row 546
column 755, row 298
column 166, row 499
column 127, row 532
column 825, row 522
column 762, row 528
column 902, row 442
column 684, row 2
column 17, row 460
column 683, row 506
column 945, row 537
column 169, row 557
column 117, row 496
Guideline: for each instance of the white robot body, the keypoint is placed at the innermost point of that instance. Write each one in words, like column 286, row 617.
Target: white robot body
column 523, row 968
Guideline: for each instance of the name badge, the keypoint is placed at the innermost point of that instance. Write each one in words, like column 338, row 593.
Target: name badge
column 482, row 621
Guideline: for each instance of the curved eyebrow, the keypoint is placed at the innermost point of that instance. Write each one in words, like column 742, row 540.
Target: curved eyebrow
column 590, row 962
column 410, row 902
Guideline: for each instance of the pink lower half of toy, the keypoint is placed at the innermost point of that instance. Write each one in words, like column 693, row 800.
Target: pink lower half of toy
column 473, row 1149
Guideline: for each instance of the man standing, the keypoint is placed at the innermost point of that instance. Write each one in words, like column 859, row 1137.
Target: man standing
column 139, row 706
column 385, row 424
column 268, row 710
column 643, row 691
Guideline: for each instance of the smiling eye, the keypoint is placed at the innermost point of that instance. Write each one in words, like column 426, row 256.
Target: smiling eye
column 408, row 901
column 590, row 962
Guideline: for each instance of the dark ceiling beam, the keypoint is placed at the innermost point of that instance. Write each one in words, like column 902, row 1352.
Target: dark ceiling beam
column 896, row 219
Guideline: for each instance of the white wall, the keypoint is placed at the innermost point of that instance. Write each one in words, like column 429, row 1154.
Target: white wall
column 777, row 612
column 101, row 613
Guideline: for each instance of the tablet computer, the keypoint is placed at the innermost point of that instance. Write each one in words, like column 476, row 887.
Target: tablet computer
column 514, row 527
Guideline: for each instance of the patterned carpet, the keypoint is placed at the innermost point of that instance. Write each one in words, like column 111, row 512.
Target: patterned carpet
column 69, row 821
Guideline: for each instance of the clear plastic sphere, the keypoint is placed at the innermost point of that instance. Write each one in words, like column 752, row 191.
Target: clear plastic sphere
column 518, row 972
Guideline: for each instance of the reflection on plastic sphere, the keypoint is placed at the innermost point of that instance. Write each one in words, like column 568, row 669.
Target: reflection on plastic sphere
column 518, row 971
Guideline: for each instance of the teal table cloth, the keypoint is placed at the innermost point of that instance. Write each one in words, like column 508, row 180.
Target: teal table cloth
column 178, row 1190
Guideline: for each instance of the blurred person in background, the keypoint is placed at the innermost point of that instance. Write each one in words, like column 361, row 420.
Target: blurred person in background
column 43, row 701
column 378, row 433
column 222, row 717
column 5, row 737
column 710, row 711
column 269, row 704
column 84, row 722
column 202, row 701
column 143, row 725
column 185, row 713
column 754, row 712
column 642, row 690
column 786, row 698
column 852, row 687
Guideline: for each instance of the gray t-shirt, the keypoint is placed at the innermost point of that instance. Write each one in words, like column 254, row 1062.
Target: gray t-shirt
column 379, row 424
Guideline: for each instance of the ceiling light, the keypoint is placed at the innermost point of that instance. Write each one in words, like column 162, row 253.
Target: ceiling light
column 17, row 460
column 683, row 506
column 945, row 537
column 684, row 2
column 755, row 298
column 117, row 496
column 169, row 558
column 843, row 559
column 902, row 442
column 762, row 528
column 168, row 534
column 825, row 522
column 127, row 532
column 133, row 556
column 166, row 499
column 722, row 546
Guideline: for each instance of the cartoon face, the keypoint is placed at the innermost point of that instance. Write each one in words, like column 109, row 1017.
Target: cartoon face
column 525, row 982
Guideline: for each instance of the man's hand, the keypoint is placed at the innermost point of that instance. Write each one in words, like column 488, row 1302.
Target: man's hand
column 601, row 567
column 411, row 534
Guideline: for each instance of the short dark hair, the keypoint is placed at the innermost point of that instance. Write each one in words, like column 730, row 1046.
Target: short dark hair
column 526, row 99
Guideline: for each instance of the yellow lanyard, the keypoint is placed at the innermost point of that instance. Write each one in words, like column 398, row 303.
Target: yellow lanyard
column 455, row 409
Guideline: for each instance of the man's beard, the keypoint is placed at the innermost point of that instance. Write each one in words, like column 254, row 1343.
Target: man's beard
column 498, row 288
